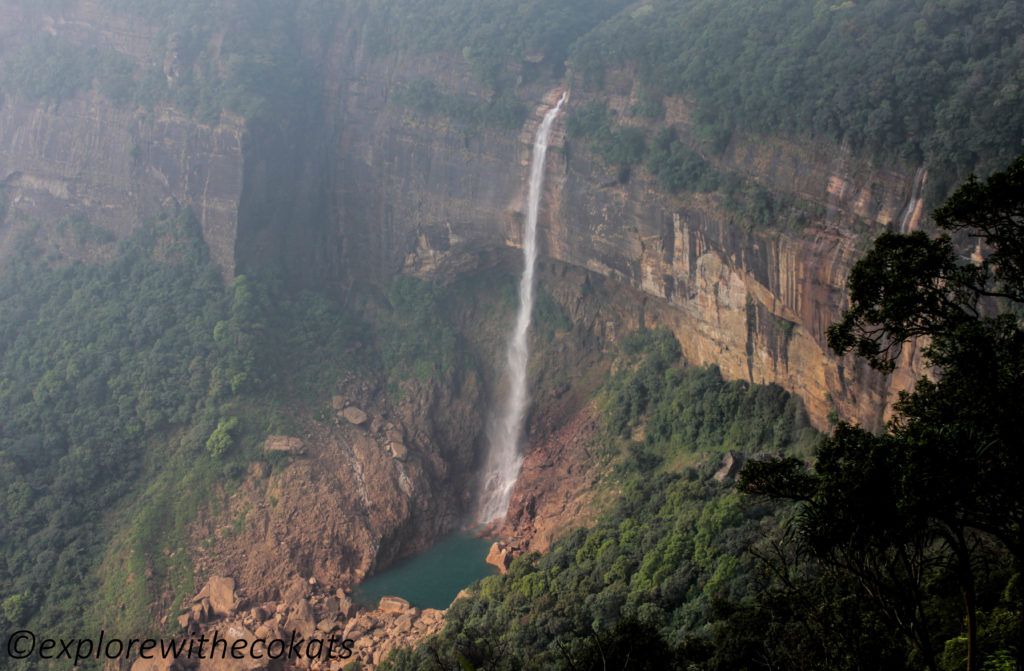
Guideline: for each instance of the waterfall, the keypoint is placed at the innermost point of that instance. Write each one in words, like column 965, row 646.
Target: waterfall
column 503, row 457
column 907, row 217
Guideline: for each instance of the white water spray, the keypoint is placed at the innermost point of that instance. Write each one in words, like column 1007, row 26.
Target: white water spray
column 503, row 457
column 914, row 203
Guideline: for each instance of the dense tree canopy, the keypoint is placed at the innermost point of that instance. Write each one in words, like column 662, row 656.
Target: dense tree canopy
column 938, row 81
column 939, row 497
column 132, row 387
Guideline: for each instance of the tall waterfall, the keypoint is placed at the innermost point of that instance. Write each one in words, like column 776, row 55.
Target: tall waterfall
column 915, row 201
column 503, row 457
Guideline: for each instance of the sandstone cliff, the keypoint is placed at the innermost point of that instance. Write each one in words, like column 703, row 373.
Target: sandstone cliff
column 113, row 166
column 422, row 195
column 359, row 189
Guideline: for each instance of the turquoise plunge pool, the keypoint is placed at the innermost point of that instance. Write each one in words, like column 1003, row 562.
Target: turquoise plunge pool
column 432, row 578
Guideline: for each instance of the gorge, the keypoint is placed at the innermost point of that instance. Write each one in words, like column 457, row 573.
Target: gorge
column 321, row 211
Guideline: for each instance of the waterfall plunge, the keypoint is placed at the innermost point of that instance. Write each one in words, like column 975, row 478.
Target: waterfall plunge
column 503, row 457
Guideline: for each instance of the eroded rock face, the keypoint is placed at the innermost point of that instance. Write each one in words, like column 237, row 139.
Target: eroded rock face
column 556, row 485
column 89, row 160
column 757, row 303
column 323, row 521
column 363, row 189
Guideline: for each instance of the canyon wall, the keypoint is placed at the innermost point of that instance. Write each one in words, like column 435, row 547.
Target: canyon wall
column 86, row 159
column 360, row 189
column 423, row 195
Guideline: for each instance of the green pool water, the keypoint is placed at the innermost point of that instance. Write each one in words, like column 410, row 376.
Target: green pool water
column 432, row 578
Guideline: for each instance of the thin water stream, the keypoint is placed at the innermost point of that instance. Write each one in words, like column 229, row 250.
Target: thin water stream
column 504, row 456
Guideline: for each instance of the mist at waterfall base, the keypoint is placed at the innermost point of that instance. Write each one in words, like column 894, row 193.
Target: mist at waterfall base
column 504, row 430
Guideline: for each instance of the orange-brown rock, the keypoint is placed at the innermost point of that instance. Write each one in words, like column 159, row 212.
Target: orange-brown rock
column 499, row 556
column 219, row 657
column 397, row 450
column 158, row 663
column 221, row 592
column 354, row 415
column 393, row 604
column 556, row 483
column 301, row 619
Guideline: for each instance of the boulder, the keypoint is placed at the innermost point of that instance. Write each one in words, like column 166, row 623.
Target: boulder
column 393, row 604
column 232, row 633
column 222, row 595
column 397, row 450
column 201, row 612
column 331, row 606
column 301, row 619
column 732, row 462
column 499, row 556
column 346, row 608
column 354, row 415
column 296, row 589
column 337, row 402
column 353, row 630
column 286, row 444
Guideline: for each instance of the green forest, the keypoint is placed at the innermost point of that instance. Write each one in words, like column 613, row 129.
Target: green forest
column 131, row 391
column 936, row 82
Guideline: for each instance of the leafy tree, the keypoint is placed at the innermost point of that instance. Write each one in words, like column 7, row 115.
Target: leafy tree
column 940, row 492
column 677, row 167
column 221, row 440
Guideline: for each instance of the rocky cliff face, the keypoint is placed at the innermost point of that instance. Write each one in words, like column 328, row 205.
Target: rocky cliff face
column 368, row 482
column 361, row 189
column 87, row 159
column 424, row 196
